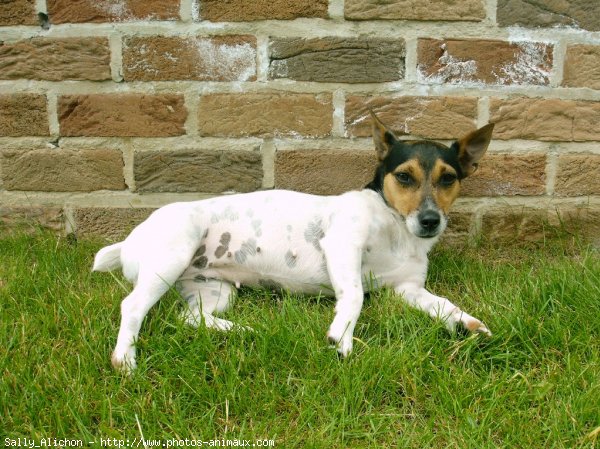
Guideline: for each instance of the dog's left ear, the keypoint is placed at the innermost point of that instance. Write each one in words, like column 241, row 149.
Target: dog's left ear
column 384, row 138
column 472, row 147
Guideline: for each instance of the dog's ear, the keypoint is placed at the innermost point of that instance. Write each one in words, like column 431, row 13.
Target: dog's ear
column 472, row 147
column 384, row 138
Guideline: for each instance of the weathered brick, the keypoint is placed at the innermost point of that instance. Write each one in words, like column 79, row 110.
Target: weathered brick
column 485, row 61
column 113, row 224
column 582, row 66
column 78, row 11
column 219, row 58
column 549, row 13
column 582, row 221
column 31, row 218
column 339, row 60
column 17, row 12
column 508, row 175
column 56, row 59
column 197, row 171
column 324, row 172
column 62, row 170
column 458, row 232
column 545, row 119
column 578, row 175
column 23, row 115
column 266, row 114
column 471, row 10
column 248, row 10
column 429, row 117
column 514, row 224
column 122, row 115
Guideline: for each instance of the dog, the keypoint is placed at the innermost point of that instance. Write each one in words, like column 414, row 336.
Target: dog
column 339, row 245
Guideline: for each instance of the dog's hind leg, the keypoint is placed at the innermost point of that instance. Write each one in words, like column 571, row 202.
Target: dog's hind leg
column 153, row 281
column 204, row 298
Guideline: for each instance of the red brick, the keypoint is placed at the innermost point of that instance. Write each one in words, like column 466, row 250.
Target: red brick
column 220, row 58
column 266, row 114
column 507, row 175
column 545, row 119
column 62, row 170
column 23, row 115
column 484, row 61
column 122, row 115
column 18, row 12
column 78, row 11
column 429, row 117
column 473, row 10
column 578, row 175
column 111, row 223
column 248, row 10
column 31, row 218
column 324, row 172
column 582, row 66
column 56, row 59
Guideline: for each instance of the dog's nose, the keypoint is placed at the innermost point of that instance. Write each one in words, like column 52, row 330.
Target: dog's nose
column 429, row 220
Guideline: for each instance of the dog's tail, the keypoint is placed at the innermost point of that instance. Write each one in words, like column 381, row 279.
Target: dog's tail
column 108, row 258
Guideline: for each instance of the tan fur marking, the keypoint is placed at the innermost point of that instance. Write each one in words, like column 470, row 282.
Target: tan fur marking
column 443, row 196
column 405, row 199
column 473, row 325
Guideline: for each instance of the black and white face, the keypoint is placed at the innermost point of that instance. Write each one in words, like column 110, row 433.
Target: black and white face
column 421, row 179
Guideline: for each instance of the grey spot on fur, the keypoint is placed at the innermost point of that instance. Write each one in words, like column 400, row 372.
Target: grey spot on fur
column 247, row 249
column 215, row 293
column 200, row 251
column 224, row 246
column 227, row 214
column 256, row 226
column 200, row 262
column 290, row 259
column 314, row 233
column 250, row 213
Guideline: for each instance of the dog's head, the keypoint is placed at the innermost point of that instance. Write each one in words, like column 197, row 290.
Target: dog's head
column 421, row 179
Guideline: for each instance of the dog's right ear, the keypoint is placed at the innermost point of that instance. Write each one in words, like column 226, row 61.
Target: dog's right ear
column 384, row 138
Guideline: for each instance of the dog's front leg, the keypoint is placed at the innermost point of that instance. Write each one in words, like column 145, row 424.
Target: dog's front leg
column 441, row 308
column 344, row 268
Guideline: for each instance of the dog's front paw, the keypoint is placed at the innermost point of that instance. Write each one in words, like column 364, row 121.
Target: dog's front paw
column 471, row 324
column 124, row 362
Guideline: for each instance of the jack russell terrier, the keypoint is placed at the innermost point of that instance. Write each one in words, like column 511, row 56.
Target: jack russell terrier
column 341, row 245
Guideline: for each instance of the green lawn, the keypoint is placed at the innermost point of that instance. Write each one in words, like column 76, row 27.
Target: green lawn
column 534, row 384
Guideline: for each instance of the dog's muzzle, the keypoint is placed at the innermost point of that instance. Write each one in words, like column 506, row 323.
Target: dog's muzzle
column 429, row 223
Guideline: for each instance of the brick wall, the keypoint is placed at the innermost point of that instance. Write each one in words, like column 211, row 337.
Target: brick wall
column 110, row 108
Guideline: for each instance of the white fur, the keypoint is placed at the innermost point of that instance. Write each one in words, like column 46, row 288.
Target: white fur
column 341, row 245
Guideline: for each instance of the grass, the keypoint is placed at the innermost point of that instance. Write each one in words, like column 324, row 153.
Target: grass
column 534, row 384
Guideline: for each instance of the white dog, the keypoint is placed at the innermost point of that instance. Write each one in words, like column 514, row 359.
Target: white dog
column 303, row 243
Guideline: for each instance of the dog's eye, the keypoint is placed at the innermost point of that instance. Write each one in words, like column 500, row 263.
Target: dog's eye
column 447, row 179
column 404, row 178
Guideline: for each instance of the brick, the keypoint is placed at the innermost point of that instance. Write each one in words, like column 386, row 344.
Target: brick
column 79, row 11
column 428, row 117
column 62, row 170
column 549, row 13
column 266, row 114
column 468, row 10
column 197, row 171
column 545, row 119
column 122, row 115
column 459, row 228
column 220, row 58
column 337, row 60
column 582, row 66
column 324, row 172
column 578, row 175
column 507, row 175
column 249, row 10
column 31, row 218
column 56, row 59
column 113, row 224
column 18, row 12
column 483, row 61
column 583, row 221
column 514, row 224
column 23, row 115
